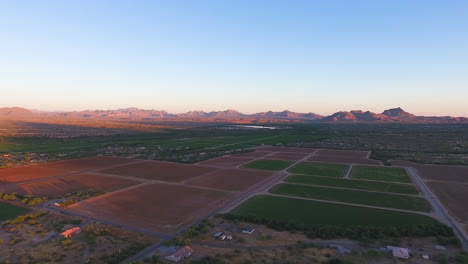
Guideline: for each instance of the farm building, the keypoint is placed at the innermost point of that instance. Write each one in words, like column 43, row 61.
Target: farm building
column 399, row 252
column 71, row 232
column 180, row 254
column 248, row 230
column 218, row 235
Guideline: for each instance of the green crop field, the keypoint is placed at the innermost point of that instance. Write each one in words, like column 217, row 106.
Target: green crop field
column 354, row 184
column 380, row 174
column 275, row 165
column 321, row 213
column 320, row 169
column 351, row 196
column 9, row 211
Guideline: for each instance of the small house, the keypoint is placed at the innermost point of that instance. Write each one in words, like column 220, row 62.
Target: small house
column 248, row 230
column 71, row 232
column 180, row 254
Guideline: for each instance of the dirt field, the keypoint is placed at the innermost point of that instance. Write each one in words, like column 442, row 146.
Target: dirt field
column 159, row 170
column 225, row 162
column 287, row 156
column 449, row 173
column 344, row 160
column 27, row 173
column 158, row 207
column 344, row 153
column 230, row 179
column 90, row 163
column 287, row 149
column 70, row 184
column 452, row 196
column 255, row 154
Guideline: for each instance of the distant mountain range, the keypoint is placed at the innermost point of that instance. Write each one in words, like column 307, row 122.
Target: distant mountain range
column 390, row 115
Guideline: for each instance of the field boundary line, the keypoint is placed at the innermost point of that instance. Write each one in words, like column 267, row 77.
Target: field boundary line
column 353, row 189
column 348, row 172
column 351, row 204
column 232, row 144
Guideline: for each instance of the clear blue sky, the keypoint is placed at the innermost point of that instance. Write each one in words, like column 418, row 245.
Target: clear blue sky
column 319, row 56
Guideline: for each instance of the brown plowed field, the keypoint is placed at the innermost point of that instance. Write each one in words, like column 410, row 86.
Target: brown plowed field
column 89, row 163
column 287, row 149
column 225, row 162
column 159, row 170
column 453, row 196
column 31, row 172
column 230, row 179
column 159, row 207
column 343, row 153
column 438, row 172
column 75, row 183
column 286, row 156
column 344, row 160
column 254, row 154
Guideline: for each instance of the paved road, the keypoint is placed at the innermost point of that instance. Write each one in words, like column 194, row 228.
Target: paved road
column 440, row 211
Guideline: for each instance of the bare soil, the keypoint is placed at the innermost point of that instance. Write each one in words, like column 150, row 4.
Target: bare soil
column 230, row 179
column 160, row 170
column 75, row 183
column 31, row 172
column 226, row 162
column 89, row 163
column 449, row 173
column 287, row 149
column 452, row 196
column 158, row 206
column 255, row 154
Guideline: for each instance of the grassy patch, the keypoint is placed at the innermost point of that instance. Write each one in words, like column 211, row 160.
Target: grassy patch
column 351, row 196
column 320, row 213
column 9, row 211
column 320, row 169
column 275, row 165
column 380, row 174
column 354, row 184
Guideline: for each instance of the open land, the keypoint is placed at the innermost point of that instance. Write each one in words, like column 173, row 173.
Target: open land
column 352, row 196
column 320, row 169
column 354, row 184
column 452, row 195
column 305, row 212
column 156, row 206
column 9, row 211
column 343, row 160
column 380, row 174
column 266, row 164
column 70, row 184
column 448, row 173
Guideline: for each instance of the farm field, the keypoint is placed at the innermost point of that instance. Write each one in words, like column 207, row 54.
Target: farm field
column 230, row 179
column 159, row 170
column 380, row 174
column 176, row 205
column 320, row 169
column 449, row 173
column 452, row 195
column 343, row 153
column 90, row 163
column 225, row 162
column 343, row 159
column 286, row 156
column 70, row 184
column 287, row 149
column 352, row 196
column 265, row 164
column 305, row 212
column 28, row 173
column 354, row 184
column 253, row 154
column 9, row 211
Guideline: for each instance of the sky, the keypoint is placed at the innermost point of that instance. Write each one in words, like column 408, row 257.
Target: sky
column 249, row 55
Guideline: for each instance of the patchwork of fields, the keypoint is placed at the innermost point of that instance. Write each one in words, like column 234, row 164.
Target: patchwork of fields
column 165, row 197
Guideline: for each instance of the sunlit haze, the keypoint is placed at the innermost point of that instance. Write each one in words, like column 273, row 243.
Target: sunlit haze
column 252, row 56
